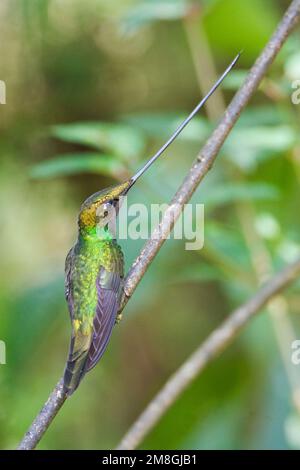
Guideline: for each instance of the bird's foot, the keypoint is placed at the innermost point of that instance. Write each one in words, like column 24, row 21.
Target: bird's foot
column 119, row 317
column 122, row 303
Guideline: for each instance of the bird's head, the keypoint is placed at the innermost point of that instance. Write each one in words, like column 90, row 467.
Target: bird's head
column 100, row 208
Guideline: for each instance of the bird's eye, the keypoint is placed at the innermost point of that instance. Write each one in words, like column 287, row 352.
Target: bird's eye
column 105, row 210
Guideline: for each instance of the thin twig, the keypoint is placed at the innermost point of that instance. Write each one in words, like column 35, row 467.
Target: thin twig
column 203, row 163
column 43, row 420
column 219, row 339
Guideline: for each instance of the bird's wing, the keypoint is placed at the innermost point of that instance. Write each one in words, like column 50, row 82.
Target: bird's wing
column 80, row 343
column 109, row 286
column 68, row 277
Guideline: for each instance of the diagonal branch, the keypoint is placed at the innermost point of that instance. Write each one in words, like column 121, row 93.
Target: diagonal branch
column 199, row 169
column 218, row 340
column 209, row 152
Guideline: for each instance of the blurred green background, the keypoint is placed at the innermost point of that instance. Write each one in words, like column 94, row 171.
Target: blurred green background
column 93, row 88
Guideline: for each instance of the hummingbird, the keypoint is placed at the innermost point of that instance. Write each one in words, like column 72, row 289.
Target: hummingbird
column 94, row 269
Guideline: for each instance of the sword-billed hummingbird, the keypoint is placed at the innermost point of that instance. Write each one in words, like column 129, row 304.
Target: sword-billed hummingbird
column 94, row 270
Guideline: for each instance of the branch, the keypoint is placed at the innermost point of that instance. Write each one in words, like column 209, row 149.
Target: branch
column 45, row 417
column 218, row 340
column 209, row 152
column 202, row 164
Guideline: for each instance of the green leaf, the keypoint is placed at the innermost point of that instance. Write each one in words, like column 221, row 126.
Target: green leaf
column 119, row 139
column 248, row 147
column 74, row 163
column 235, row 79
column 265, row 116
column 162, row 125
column 227, row 244
column 197, row 273
column 226, row 193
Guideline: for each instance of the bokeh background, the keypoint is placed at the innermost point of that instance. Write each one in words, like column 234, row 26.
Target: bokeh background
column 93, row 88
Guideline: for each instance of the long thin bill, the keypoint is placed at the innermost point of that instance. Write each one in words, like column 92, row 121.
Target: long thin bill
column 184, row 123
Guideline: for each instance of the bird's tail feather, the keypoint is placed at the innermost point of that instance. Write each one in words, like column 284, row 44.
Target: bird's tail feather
column 75, row 367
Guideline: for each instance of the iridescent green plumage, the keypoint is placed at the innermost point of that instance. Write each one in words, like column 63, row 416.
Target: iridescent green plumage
column 94, row 270
column 88, row 256
column 94, row 279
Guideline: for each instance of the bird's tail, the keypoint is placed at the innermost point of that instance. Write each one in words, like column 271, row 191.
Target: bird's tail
column 75, row 367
